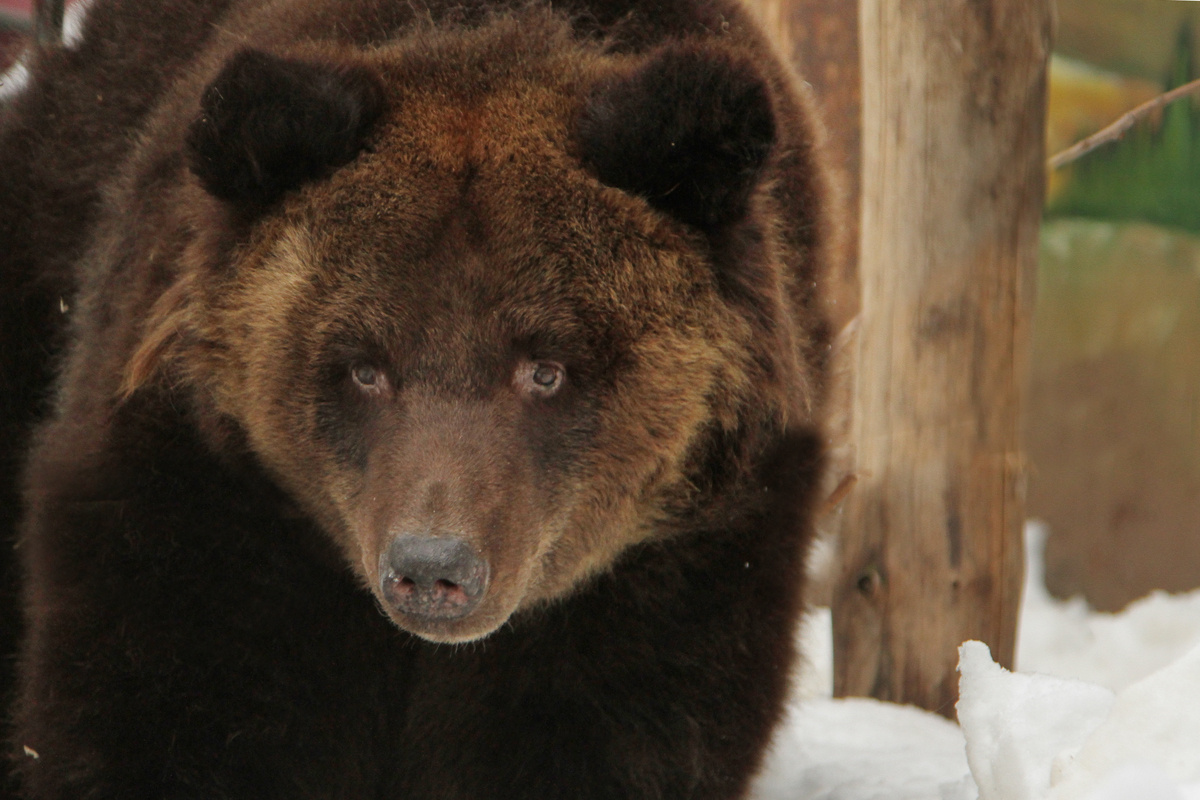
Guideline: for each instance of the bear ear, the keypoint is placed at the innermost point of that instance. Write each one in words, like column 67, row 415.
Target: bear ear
column 688, row 130
column 269, row 124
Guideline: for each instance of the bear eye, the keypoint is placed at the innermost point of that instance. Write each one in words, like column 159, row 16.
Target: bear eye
column 368, row 378
column 547, row 376
column 541, row 378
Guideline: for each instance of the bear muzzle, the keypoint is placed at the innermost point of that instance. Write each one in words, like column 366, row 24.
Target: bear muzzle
column 430, row 578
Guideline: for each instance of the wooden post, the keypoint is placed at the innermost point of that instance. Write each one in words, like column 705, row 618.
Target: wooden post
column 953, row 97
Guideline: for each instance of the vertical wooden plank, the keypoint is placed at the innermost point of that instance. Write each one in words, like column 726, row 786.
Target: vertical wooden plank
column 953, row 112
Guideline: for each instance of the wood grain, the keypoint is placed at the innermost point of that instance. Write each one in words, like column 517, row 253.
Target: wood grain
column 954, row 95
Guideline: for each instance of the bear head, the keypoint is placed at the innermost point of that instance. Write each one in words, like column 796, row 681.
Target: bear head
column 493, row 307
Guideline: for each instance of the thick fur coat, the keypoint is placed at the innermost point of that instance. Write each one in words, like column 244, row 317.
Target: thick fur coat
column 408, row 400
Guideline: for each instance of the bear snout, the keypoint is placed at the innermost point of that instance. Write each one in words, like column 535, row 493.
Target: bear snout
column 432, row 577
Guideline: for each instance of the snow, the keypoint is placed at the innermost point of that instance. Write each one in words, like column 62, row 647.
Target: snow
column 1067, row 640
column 858, row 749
column 73, row 22
column 1101, row 707
column 13, row 80
column 1016, row 725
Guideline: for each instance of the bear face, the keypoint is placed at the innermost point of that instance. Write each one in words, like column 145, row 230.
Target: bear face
column 484, row 313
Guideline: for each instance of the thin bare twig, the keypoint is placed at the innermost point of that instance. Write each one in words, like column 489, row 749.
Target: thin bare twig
column 1121, row 126
column 839, row 493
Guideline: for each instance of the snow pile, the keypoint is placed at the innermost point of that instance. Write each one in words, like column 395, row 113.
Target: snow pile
column 1103, row 707
column 1030, row 737
column 1016, row 725
column 859, row 749
column 1069, row 640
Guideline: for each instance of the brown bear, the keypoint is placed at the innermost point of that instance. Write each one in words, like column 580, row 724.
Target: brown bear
column 437, row 410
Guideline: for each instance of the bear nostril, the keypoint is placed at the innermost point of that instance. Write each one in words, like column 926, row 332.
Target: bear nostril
column 435, row 577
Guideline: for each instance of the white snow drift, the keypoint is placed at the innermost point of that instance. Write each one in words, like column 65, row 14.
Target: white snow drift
column 1102, row 707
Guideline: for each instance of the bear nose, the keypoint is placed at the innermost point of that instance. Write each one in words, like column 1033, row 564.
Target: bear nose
column 435, row 577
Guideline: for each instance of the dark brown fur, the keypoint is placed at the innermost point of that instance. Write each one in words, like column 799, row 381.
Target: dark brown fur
column 451, row 197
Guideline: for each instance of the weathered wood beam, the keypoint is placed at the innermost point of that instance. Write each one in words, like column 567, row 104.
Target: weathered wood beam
column 954, row 95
